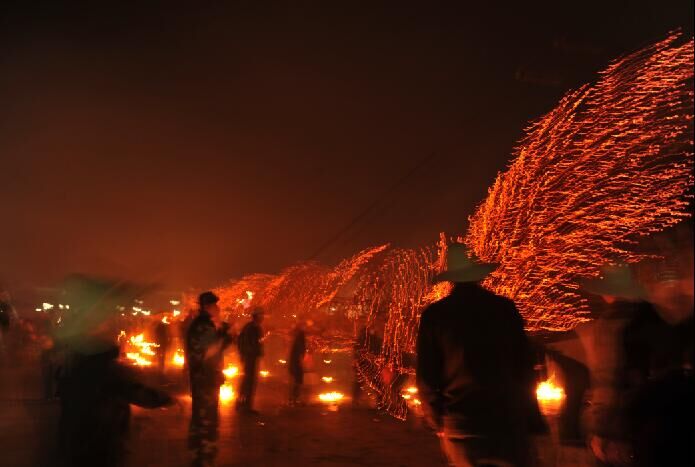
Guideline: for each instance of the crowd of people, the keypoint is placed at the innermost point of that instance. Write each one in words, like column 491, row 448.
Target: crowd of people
column 476, row 372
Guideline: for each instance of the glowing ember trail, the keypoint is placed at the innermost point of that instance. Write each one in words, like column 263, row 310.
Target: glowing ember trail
column 138, row 351
column 611, row 163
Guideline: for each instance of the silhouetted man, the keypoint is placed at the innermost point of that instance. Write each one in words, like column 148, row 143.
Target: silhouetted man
column 205, row 345
column 95, row 395
column 250, row 349
column 296, row 362
column 475, row 371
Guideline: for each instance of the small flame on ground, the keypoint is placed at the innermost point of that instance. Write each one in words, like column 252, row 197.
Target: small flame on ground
column 331, row 397
column 264, row 373
column 178, row 359
column 327, row 362
column 548, row 391
column 226, row 393
column 327, row 379
column 412, row 390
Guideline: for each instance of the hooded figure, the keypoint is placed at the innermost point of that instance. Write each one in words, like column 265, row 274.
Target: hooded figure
column 475, row 370
column 295, row 362
column 95, row 390
column 639, row 396
column 250, row 349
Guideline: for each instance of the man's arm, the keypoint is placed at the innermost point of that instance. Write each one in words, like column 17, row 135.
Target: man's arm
column 429, row 365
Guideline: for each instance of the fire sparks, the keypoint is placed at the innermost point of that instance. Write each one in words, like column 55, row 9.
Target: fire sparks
column 231, row 371
column 139, row 351
column 611, row 163
column 331, row 397
column 327, row 379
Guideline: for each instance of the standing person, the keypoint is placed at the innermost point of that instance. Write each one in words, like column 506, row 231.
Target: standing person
column 295, row 362
column 250, row 349
column 205, row 345
column 641, row 382
column 163, row 337
column 95, row 393
column 7, row 316
column 94, row 388
column 475, row 371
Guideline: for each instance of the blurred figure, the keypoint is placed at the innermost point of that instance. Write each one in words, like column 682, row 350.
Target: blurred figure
column 205, row 346
column 639, row 413
column 250, row 350
column 163, row 339
column 475, row 371
column 295, row 362
column 7, row 316
column 95, row 390
column 95, row 395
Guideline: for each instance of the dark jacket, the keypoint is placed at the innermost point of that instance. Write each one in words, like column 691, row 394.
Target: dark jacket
column 250, row 346
column 475, row 364
column 205, row 369
column 95, row 395
column 297, row 352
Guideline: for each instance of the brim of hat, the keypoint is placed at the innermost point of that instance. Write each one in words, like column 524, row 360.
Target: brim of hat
column 470, row 274
column 601, row 287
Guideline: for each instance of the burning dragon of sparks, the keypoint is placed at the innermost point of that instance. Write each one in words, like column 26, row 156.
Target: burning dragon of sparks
column 611, row 163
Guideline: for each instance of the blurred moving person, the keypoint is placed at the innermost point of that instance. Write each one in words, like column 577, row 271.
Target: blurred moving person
column 162, row 334
column 641, row 377
column 250, row 349
column 295, row 363
column 206, row 342
column 475, row 371
column 94, row 388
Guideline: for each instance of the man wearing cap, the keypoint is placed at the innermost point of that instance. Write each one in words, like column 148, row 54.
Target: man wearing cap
column 205, row 345
column 250, row 349
column 475, row 370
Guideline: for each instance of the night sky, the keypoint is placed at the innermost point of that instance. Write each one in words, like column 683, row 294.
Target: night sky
column 189, row 144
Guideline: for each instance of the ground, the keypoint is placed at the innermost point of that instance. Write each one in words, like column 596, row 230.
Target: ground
column 316, row 434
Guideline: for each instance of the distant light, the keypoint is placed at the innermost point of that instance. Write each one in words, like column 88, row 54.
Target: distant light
column 47, row 306
column 230, row 371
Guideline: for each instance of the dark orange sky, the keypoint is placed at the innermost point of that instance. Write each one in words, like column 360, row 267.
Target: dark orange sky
column 187, row 145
